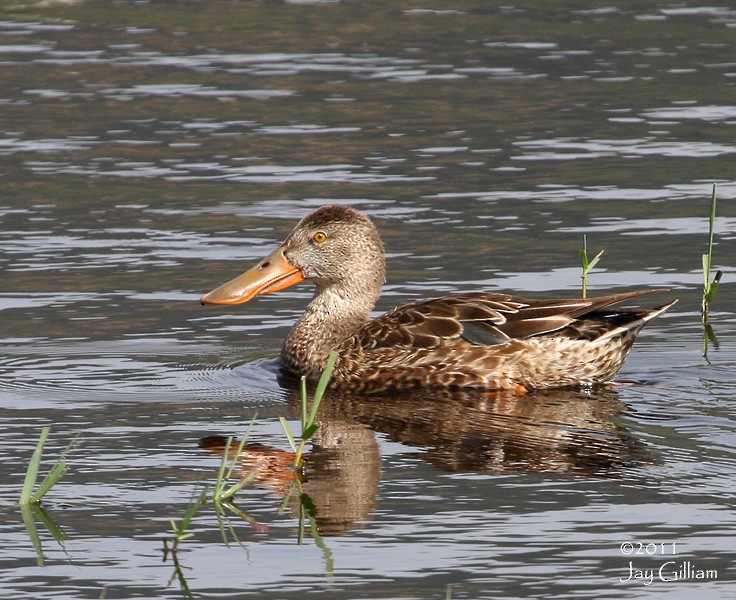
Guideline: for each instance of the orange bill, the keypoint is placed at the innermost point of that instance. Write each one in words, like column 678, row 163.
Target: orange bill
column 272, row 274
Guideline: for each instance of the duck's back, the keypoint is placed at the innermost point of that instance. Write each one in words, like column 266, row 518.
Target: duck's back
column 492, row 341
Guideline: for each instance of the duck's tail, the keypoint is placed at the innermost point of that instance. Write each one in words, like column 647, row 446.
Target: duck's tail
column 633, row 326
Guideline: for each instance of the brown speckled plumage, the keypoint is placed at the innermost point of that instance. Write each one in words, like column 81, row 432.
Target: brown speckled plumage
column 479, row 340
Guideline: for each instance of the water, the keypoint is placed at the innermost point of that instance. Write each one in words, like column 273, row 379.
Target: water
column 150, row 151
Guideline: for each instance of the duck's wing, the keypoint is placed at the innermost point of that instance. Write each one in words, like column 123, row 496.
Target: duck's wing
column 482, row 319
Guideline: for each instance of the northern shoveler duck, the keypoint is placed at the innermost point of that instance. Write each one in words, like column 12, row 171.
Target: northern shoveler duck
column 472, row 340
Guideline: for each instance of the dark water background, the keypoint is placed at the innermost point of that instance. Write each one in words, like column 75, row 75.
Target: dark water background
column 151, row 150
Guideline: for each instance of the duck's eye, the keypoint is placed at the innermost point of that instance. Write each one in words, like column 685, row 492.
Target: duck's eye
column 319, row 237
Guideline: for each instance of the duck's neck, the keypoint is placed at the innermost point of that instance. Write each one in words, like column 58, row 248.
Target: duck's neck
column 334, row 315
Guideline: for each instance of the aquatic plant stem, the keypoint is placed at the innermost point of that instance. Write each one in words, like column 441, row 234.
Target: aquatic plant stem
column 309, row 427
column 709, row 287
column 180, row 528
column 27, row 495
column 32, row 470
column 587, row 264
column 225, row 471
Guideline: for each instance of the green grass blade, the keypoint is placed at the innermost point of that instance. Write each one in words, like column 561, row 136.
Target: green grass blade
column 322, row 386
column 708, row 258
column 712, row 220
column 56, row 472
column 713, row 286
column 303, row 397
column 234, row 460
column 245, row 480
column 193, row 507
column 706, row 273
column 584, row 253
column 32, row 470
column 709, row 287
column 236, row 487
column 583, row 260
column 220, row 485
column 595, row 260
column 51, row 479
column 287, row 431
column 174, row 527
column 309, row 431
column 239, row 449
column 325, row 377
column 587, row 265
column 227, row 467
column 298, row 463
column 230, row 492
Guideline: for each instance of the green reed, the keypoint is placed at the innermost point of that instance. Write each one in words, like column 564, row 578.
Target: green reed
column 709, row 286
column 180, row 533
column 180, row 529
column 307, row 418
column 30, row 500
column 28, row 496
column 587, row 264
column 222, row 492
column 222, row 495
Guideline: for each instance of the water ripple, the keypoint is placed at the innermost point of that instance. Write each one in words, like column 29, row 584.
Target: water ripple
column 178, row 90
column 710, row 113
column 48, row 145
column 114, row 247
column 142, row 369
column 576, row 149
column 563, row 193
column 723, row 226
column 218, row 171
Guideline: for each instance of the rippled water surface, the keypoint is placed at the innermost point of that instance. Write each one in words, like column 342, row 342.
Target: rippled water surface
column 150, row 151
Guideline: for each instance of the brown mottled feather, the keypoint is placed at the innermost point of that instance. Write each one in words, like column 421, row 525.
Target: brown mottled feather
column 492, row 341
column 500, row 316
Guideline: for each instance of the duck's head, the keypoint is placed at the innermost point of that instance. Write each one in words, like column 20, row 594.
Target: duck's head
column 335, row 247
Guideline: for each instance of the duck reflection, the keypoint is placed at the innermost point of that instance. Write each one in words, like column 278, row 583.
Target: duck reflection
column 340, row 480
column 570, row 432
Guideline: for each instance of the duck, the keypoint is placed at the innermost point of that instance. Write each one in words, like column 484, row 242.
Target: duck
column 480, row 340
